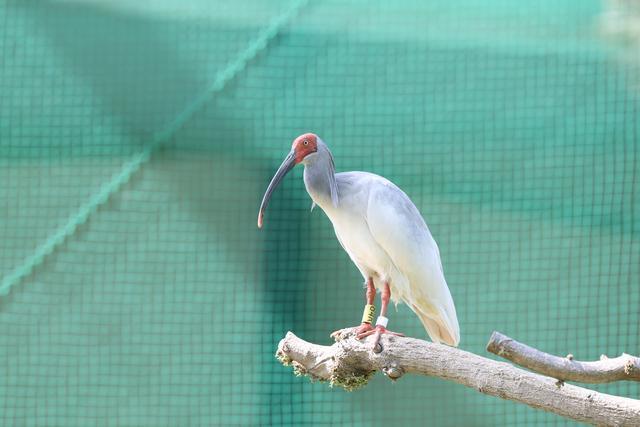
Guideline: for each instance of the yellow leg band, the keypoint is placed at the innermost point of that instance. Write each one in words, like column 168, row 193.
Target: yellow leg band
column 369, row 311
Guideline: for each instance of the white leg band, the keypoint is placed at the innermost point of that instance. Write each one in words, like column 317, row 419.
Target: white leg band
column 382, row 321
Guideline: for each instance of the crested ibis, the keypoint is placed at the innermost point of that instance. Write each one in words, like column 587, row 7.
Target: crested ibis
column 385, row 236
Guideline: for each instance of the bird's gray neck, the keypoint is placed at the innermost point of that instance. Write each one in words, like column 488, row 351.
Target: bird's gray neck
column 320, row 177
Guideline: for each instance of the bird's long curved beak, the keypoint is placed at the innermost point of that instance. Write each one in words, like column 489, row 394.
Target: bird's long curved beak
column 288, row 164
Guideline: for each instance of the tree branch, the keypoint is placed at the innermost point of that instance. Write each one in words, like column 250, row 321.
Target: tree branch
column 350, row 363
column 624, row 367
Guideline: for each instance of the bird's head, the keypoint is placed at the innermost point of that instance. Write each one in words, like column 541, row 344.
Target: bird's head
column 303, row 148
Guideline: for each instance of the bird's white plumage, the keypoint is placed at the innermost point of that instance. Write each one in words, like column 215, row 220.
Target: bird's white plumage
column 388, row 240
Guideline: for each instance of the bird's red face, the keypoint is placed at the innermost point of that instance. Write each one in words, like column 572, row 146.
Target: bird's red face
column 304, row 145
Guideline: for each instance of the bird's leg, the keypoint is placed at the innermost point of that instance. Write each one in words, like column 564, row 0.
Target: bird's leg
column 381, row 324
column 369, row 310
column 367, row 317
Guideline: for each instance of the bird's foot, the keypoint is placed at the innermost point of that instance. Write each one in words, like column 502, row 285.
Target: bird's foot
column 356, row 330
column 377, row 333
column 364, row 328
column 379, row 330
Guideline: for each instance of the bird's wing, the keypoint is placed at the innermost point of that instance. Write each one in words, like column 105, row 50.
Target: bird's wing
column 397, row 226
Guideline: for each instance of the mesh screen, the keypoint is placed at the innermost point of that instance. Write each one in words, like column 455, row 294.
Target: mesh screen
column 136, row 139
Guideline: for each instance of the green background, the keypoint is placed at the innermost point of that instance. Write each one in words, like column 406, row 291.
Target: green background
column 513, row 126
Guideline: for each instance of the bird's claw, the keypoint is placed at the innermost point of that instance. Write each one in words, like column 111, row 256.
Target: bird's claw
column 378, row 330
column 356, row 330
column 366, row 330
column 377, row 333
column 363, row 329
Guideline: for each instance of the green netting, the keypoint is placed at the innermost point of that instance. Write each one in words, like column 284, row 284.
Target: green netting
column 136, row 139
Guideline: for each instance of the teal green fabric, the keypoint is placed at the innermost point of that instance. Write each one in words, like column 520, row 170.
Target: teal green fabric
column 136, row 139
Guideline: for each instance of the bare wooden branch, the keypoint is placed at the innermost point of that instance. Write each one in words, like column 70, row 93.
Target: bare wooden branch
column 624, row 367
column 350, row 363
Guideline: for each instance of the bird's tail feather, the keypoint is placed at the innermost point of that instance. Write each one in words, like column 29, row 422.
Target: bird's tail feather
column 439, row 326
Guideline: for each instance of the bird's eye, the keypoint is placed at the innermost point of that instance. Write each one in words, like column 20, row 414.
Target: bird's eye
column 305, row 142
